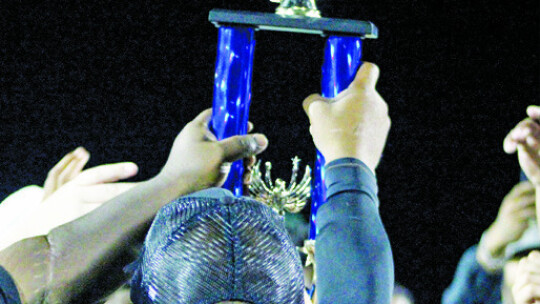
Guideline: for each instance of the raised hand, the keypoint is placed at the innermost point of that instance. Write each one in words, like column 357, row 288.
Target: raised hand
column 355, row 123
column 525, row 139
column 76, row 197
column 515, row 213
column 197, row 155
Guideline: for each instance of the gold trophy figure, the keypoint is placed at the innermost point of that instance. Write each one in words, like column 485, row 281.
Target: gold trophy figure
column 277, row 195
column 297, row 8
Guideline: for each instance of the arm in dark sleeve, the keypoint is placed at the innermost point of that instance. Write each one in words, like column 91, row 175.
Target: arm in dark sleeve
column 353, row 254
column 472, row 284
column 8, row 290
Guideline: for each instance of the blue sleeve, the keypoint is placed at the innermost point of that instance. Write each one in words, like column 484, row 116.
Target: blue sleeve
column 354, row 258
column 8, row 290
column 472, row 284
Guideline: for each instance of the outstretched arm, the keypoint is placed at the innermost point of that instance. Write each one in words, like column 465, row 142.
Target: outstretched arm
column 354, row 259
column 81, row 255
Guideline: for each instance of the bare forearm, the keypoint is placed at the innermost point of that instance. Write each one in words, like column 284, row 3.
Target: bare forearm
column 63, row 265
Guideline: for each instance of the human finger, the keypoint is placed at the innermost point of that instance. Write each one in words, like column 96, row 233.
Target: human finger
column 106, row 173
column 528, row 269
column 241, row 146
column 524, row 188
column 527, row 276
column 520, row 282
column 198, row 129
column 248, row 168
column 224, row 169
column 533, row 112
column 509, row 144
column 516, row 136
column 212, row 137
column 203, row 117
column 534, row 255
column 367, row 76
column 526, row 294
column 209, row 135
column 526, row 214
column 73, row 168
column 515, row 204
column 532, row 142
column 525, row 128
column 313, row 99
column 532, row 153
column 526, row 201
column 246, row 183
column 247, row 178
column 250, row 161
column 50, row 184
column 531, row 277
column 101, row 193
column 519, row 134
column 533, row 127
column 534, row 259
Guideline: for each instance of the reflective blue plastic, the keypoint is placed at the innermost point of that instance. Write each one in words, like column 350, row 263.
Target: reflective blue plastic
column 342, row 58
column 232, row 92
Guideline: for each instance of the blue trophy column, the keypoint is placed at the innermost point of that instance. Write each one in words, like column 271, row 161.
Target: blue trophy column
column 232, row 91
column 342, row 58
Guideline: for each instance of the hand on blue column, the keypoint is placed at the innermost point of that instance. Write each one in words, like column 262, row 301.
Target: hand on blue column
column 198, row 156
column 354, row 124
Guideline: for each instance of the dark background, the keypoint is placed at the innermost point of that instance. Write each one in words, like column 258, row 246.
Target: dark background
column 122, row 79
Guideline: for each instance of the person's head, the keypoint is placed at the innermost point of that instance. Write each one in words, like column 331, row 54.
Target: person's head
column 214, row 248
column 529, row 241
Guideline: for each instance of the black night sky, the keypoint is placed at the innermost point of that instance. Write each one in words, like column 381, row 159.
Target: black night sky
column 122, row 78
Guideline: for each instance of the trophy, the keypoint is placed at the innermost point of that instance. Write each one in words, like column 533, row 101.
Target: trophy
column 233, row 74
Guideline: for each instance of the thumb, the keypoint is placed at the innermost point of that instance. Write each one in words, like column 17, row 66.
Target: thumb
column 309, row 100
column 533, row 112
column 318, row 105
column 242, row 146
column 509, row 144
column 367, row 76
column 106, row 173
